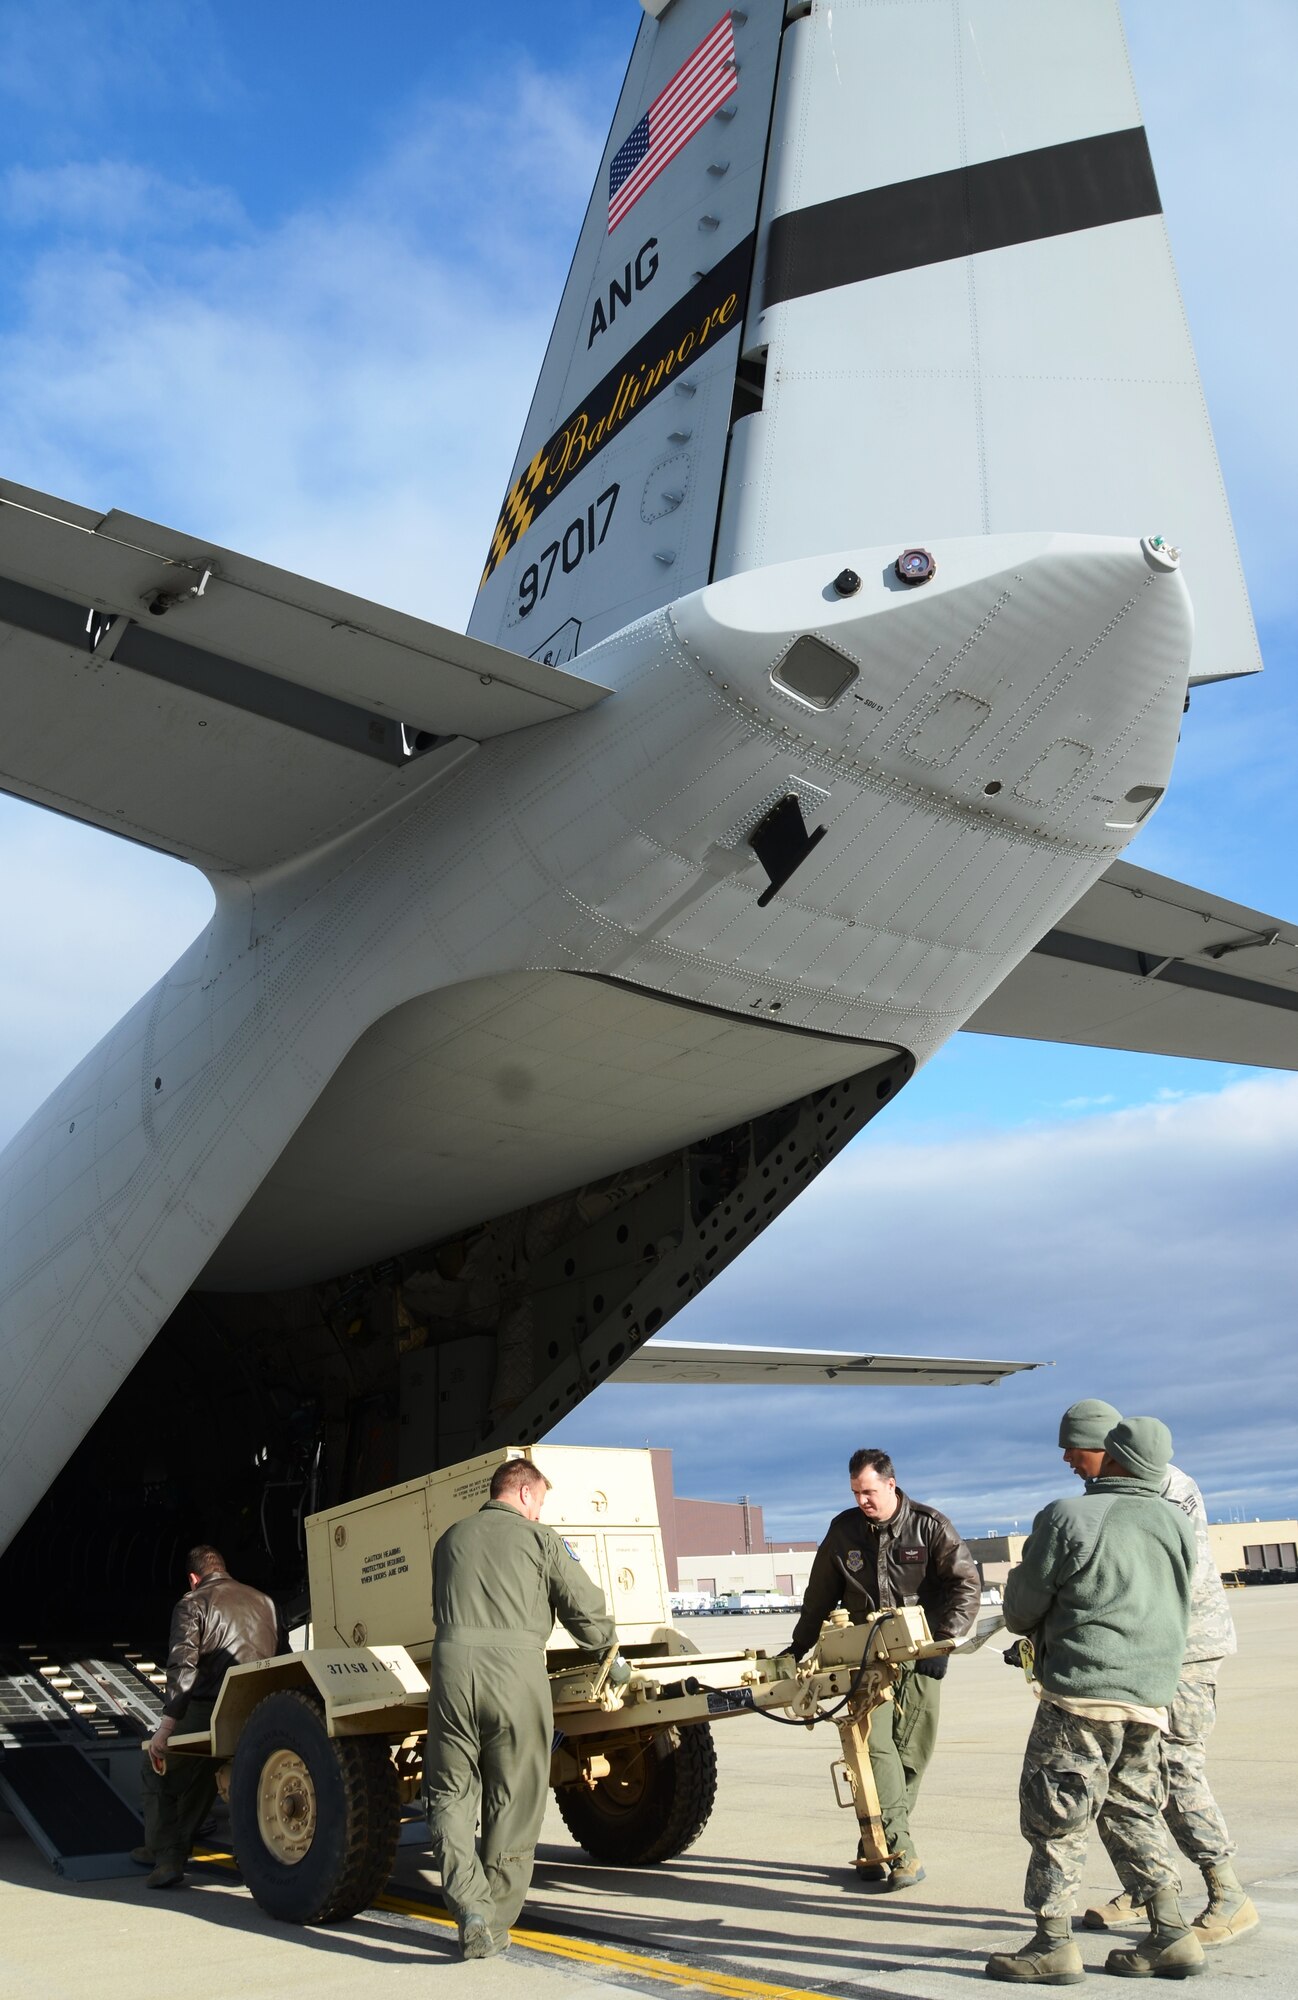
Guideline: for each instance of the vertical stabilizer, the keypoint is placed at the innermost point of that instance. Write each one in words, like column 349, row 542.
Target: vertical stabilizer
column 966, row 319
column 611, row 507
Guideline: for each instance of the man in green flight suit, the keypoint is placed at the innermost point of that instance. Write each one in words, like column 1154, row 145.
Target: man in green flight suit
column 500, row 1579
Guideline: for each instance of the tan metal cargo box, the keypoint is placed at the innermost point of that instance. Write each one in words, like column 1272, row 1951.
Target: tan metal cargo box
column 370, row 1560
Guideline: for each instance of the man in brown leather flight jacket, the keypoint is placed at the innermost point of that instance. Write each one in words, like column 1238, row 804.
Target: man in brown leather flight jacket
column 889, row 1550
column 218, row 1624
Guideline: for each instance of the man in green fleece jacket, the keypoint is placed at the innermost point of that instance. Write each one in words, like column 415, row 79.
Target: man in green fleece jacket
column 500, row 1579
column 1193, row 1816
column 1104, row 1589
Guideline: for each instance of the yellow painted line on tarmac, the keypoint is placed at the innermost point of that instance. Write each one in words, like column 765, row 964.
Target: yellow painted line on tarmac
column 585, row 1951
column 610, row 1958
column 671, row 1973
column 406, row 1906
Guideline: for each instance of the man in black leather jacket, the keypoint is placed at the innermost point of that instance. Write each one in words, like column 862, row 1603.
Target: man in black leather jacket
column 891, row 1550
column 218, row 1624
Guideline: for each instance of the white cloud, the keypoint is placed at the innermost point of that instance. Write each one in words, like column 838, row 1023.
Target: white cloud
column 1146, row 1254
column 110, row 200
column 340, row 393
column 81, row 59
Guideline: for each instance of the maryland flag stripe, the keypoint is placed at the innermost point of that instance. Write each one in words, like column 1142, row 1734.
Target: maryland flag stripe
column 516, row 512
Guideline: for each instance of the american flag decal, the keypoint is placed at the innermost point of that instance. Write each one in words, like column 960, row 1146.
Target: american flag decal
column 680, row 108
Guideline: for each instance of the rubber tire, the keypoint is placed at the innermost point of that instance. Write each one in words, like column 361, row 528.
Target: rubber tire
column 668, row 1817
column 358, row 1813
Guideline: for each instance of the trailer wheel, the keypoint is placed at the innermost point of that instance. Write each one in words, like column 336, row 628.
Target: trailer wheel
column 314, row 1818
column 653, row 1805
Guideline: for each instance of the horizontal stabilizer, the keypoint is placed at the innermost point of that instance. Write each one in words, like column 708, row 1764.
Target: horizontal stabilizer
column 218, row 708
column 1148, row 964
column 699, row 1361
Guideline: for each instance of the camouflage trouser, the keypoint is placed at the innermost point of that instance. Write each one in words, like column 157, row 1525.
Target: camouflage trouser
column 1076, row 1771
column 1192, row 1812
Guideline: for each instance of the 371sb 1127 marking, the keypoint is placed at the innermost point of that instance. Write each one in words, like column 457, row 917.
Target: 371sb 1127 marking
column 578, row 539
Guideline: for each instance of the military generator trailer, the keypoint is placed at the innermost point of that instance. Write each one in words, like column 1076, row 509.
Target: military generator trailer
column 321, row 1749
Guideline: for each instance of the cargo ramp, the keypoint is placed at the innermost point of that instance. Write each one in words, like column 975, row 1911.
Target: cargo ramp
column 70, row 1734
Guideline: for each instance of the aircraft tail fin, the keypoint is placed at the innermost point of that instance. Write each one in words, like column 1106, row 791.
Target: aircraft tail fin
column 966, row 319
column 612, row 503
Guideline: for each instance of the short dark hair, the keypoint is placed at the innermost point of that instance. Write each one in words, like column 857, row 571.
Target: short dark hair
column 516, row 1473
column 870, row 1461
column 203, row 1559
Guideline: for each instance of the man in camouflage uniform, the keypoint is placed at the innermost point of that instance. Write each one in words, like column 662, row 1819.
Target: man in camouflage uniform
column 500, row 1578
column 1193, row 1815
column 1104, row 1590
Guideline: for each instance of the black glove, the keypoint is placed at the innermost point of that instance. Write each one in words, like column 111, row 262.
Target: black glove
column 934, row 1669
column 1013, row 1656
column 619, row 1673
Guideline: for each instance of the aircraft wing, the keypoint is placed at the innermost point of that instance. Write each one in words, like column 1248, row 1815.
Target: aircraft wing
column 1148, row 964
column 698, row 1361
column 215, row 707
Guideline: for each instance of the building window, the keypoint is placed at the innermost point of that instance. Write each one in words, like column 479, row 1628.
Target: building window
column 784, row 1584
column 708, row 1583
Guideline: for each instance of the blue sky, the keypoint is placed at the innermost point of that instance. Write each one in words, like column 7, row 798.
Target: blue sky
column 284, row 276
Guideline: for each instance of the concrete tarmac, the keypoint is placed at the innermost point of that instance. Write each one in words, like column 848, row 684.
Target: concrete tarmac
column 765, row 1903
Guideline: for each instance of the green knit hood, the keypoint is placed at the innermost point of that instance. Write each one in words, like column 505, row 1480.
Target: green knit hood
column 1084, row 1426
column 1144, row 1446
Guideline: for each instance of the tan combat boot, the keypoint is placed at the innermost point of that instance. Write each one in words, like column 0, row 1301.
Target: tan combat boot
column 476, row 1939
column 1171, row 1951
column 906, row 1871
column 1124, row 1913
column 1230, row 1910
column 1049, row 1958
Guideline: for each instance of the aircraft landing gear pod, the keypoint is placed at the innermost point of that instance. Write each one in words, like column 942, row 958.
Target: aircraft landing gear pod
column 323, row 1748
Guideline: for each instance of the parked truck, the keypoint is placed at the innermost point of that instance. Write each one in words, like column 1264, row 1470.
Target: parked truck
column 320, row 1749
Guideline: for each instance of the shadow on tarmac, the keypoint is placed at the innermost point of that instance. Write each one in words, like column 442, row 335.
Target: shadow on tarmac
column 829, row 1951
column 831, row 1912
column 205, row 1895
column 738, row 1882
